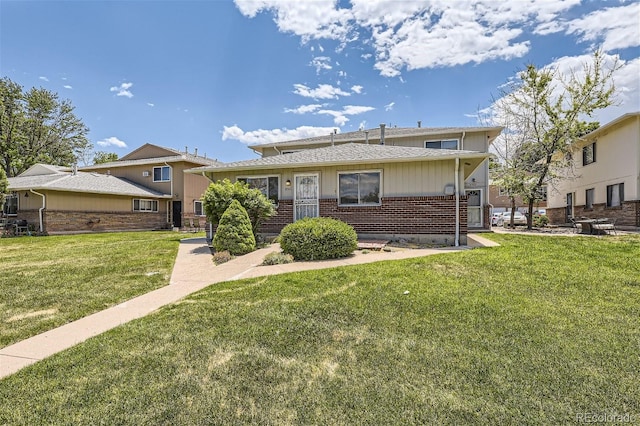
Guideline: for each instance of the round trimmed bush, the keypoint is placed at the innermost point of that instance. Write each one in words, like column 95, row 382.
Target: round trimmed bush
column 234, row 233
column 318, row 238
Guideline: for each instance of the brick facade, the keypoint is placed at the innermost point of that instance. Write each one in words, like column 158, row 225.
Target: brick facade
column 626, row 215
column 61, row 222
column 433, row 216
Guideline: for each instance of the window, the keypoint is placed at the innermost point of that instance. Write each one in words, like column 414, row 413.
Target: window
column 362, row 188
column 443, row 144
column 589, row 154
column 268, row 185
column 615, row 195
column 589, row 193
column 145, row 205
column 542, row 192
column 11, row 205
column 162, row 174
column 502, row 192
column 197, row 208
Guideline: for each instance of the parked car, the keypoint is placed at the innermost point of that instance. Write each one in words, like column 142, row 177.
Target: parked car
column 495, row 217
column 518, row 219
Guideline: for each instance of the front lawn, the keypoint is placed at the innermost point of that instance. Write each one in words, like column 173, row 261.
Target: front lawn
column 46, row 282
column 541, row 330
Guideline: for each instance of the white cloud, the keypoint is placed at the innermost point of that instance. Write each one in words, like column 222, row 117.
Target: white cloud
column 263, row 136
column 323, row 91
column 613, row 27
column 304, row 109
column 389, row 106
column 427, row 34
column 66, row 86
column 321, row 63
column 357, row 89
column 151, row 104
column 340, row 117
column 122, row 90
column 43, row 78
column 112, row 141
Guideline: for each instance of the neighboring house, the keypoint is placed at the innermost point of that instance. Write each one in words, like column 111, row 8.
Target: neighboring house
column 143, row 190
column 501, row 202
column 387, row 183
column 162, row 169
column 605, row 180
column 57, row 200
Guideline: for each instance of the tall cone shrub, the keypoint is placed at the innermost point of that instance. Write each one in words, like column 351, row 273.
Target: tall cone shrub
column 234, row 233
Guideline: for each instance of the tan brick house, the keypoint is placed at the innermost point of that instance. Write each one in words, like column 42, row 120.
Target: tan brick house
column 416, row 183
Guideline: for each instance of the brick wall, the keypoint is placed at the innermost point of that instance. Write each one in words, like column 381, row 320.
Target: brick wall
column 396, row 215
column 60, row 222
column 626, row 215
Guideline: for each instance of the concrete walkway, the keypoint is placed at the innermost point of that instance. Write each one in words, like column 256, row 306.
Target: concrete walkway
column 193, row 271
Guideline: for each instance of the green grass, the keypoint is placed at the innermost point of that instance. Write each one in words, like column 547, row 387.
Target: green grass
column 536, row 331
column 46, row 282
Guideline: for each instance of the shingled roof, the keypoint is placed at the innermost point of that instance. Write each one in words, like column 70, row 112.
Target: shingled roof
column 350, row 153
column 373, row 135
column 95, row 183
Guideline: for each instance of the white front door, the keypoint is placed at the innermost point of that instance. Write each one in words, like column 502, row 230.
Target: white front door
column 474, row 208
column 305, row 196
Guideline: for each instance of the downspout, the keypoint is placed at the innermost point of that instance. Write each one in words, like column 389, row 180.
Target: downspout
column 279, row 153
column 462, row 140
column 457, row 192
column 44, row 204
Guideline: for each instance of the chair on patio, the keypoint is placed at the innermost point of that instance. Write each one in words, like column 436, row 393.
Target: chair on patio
column 196, row 224
column 22, row 227
column 577, row 227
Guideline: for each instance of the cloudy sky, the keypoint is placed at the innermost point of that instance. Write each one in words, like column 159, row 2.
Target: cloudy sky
column 219, row 75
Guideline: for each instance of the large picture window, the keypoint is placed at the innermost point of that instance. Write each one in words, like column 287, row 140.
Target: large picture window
column 162, row 174
column 360, row 188
column 589, row 154
column 145, row 205
column 268, row 185
column 615, row 195
column 443, row 144
column 11, row 205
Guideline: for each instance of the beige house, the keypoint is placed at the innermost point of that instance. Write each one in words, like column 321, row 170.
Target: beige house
column 146, row 189
column 416, row 183
column 605, row 181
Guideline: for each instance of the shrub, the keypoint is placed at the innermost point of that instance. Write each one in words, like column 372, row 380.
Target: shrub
column 540, row 221
column 277, row 259
column 234, row 231
column 221, row 257
column 318, row 238
column 220, row 194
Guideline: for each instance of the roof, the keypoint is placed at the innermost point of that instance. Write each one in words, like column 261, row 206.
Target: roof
column 95, row 183
column 350, row 153
column 173, row 156
column 610, row 124
column 389, row 134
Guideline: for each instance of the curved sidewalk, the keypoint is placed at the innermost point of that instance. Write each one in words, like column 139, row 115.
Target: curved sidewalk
column 193, row 271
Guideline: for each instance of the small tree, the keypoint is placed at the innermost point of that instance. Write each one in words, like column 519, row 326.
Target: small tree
column 220, row 194
column 234, row 233
column 544, row 110
column 4, row 185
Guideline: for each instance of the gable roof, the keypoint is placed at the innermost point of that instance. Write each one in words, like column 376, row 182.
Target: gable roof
column 605, row 127
column 390, row 133
column 95, row 183
column 350, row 153
column 168, row 155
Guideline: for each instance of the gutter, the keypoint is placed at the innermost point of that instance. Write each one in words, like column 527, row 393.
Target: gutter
column 457, row 191
column 40, row 209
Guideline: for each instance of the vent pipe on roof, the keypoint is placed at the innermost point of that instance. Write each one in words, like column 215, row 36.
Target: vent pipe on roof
column 419, row 123
column 75, row 169
column 382, row 126
column 331, row 138
column 366, row 137
column 195, row 152
column 186, row 149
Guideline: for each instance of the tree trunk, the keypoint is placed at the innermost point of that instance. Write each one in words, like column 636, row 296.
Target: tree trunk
column 530, row 217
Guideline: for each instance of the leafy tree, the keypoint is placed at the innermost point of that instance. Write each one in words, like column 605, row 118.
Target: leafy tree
column 4, row 185
column 220, row 194
column 35, row 126
column 542, row 113
column 234, row 233
column 101, row 157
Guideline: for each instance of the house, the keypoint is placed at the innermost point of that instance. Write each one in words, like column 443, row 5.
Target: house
column 424, row 184
column 501, row 202
column 162, row 169
column 143, row 190
column 605, row 179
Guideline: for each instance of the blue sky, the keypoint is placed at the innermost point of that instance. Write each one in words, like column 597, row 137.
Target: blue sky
column 219, row 75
